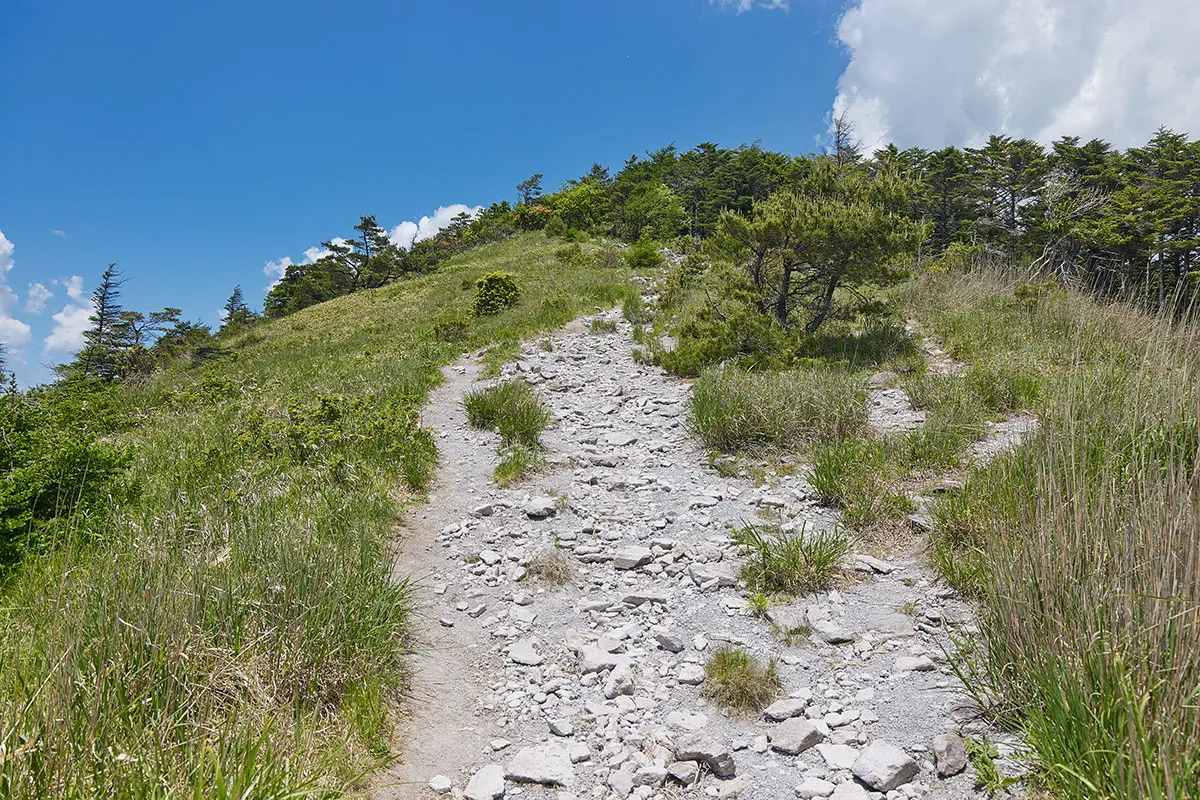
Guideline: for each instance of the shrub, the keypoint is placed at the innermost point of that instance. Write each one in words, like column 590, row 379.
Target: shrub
column 644, row 254
column 518, row 461
column 572, row 255
column 733, row 410
column 789, row 563
column 635, row 310
column 550, row 565
column 494, row 293
column 512, row 409
column 554, row 226
column 736, row 681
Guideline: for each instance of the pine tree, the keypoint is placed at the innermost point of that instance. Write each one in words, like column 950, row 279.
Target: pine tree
column 237, row 314
column 529, row 190
column 103, row 350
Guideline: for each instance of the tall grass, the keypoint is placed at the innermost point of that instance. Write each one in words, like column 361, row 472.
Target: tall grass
column 734, row 410
column 1081, row 547
column 237, row 631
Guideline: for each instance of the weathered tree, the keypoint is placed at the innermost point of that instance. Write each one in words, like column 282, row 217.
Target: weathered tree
column 103, row 347
column 529, row 191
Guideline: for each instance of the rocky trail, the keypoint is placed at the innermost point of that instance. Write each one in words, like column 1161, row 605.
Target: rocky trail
column 592, row 688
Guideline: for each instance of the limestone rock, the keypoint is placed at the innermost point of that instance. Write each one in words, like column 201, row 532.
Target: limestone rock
column 685, row 772
column 541, row 507
column 849, row 791
column 883, row 766
column 524, row 652
column 915, row 664
column 794, row 736
column 548, row 763
column 620, row 680
column 838, row 756
column 825, row 628
column 950, row 752
column 632, row 557
column 708, row 751
column 486, row 784
column 440, row 784
column 785, row 709
column 814, row 787
column 691, row 674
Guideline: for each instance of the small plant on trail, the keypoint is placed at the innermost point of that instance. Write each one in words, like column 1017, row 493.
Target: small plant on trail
column 599, row 326
column 550, row 565
column 736, row 681
column 789, row 563
column 518, row 461
column 494, row 293
column 988, row 777
column 644, row 255
column 512, row 409
column 859, row 477
column 635, row 310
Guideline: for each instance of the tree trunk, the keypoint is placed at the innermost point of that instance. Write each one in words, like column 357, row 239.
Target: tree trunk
column 826, row 303
column 785, row 288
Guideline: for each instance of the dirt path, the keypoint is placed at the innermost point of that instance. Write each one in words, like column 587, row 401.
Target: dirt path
column 594, row 688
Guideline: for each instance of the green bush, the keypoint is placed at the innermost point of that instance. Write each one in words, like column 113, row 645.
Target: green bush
column 859, row 476
column 644, row 254
column 554, row 226
column 789, row 563
column 494, row 293
column 733, row 410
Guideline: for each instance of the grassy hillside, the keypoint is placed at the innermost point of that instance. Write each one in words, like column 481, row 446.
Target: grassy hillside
column 235, row 631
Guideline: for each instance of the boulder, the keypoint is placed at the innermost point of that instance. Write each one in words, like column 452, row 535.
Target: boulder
column 794, row 736
column 486, row 784
column 950, row 754
column 883, row 766
column 548, row 763
column 709, row 752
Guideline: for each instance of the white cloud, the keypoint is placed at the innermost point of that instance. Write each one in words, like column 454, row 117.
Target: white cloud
column 58, row 233
column 69, row 326
column 408, row 233
column 932, row 74
column 35, row 301
column 74, row 287
column 13, row 332
column 743, row 6
column 275, row 270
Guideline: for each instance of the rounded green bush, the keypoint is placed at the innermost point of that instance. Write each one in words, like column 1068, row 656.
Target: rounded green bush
column 495, row 292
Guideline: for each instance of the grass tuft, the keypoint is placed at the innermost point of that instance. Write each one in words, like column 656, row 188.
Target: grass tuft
column 518, row 461
column 733, row 410
column 550, row 565
column 512, row 409
column 789, row 563
column 736, row 681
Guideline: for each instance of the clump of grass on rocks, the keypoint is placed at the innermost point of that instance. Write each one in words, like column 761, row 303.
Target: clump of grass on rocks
column 512, row 409
column 736, row 681
column 776, row 562
column 734, row 410
column 550, row 565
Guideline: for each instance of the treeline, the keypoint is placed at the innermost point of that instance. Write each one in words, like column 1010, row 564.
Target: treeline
column 1123, row 222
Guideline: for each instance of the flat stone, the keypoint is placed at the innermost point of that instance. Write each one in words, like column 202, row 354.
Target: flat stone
column 690, row 721
column 561, row 727
column 440, row 784
column 593, row 659
column 883, row 766
column 619, row 439
column 788, row 619
column 838, row 756
column 579, row 752
column 785, row 709
column 669, row 643
column 548, row 764
column 541, row 508
column 876, row 564
column 490, row 557
column 486, row 784
column 914, row 664
column 485, row 510
column 723, row 574
column 814, row 787
column 849, row 791
column 708, row 751
column 691, row 674
column 950, row 754
column 643, row 596
column 650, row 776
column 524, row 652
column 794, row 736
column 825, row 628
column 702, row 501
column 921, row 523
column 632, row 557
column 685, row 772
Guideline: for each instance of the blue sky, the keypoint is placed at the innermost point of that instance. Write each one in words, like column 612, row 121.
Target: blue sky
column 194, row 142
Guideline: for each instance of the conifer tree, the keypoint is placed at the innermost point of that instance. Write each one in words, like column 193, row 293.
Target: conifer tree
column 102, row 351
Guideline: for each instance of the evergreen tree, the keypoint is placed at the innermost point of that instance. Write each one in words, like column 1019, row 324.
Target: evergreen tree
column 103, row 349
column 529, row 191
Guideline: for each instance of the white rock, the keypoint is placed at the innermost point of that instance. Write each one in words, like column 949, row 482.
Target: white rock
column 686, row 772
column 541, row 507
column 915, row 664
column 490, row 557
column 793, row 736
column 561, row 727
column 849, row 791
column 620, row 680
column 593, row 659
column 632, row 557
column 708, row 751
column 814, row 787
column 548, row 763
column 440, row 784
column 524, row 651
column 950, row 752
column 875, row 564
column 579, row 752
column 825, row 628
column 883, row 766
column 838, row 756
column 486, row 784
column 691, row 674
column 785, row 709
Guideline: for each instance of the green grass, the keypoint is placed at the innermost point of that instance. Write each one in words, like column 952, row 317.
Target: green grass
column 517, row 462
column 551, row 566
column 736, row 681
column 775, row 562
column 602, row 326
column 1080, row 547
column 733, row 410
column 861, row 477
column 512, row 409
column 236, row 631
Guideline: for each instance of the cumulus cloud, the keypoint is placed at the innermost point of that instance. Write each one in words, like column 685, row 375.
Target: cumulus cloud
column 932, row 74
column 36, row 297
column 13, row 332
column 73, row 321
column 408, row 233
column 277, row 268
column 743, row 6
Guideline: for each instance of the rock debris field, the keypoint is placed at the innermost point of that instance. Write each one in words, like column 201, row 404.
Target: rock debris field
column 593, row 688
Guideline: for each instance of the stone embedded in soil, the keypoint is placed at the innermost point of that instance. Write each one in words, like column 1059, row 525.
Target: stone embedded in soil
column 632, row 557
column 685, row 772
column 785, row 709
column 849, row 791
column 525, row 652
column 883, row 766
column 813, row 787
column 708, row 751
column 548, row 763
column 788, row 619
column 915, row 664
column 486, row 784
column 875, row 564
column 794, row 736
column 950, row 753
column 440, row 784
column 838, row 756
column 541, row 508
column 825, row 628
